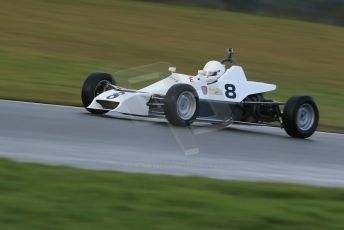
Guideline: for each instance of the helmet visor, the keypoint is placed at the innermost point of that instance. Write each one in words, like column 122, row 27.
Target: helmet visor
column 211, row 73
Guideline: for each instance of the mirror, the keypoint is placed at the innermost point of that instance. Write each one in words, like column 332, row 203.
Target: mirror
column 172, row 69
column 202, row 72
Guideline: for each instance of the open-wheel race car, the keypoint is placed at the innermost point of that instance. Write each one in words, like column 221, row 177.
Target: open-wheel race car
column 215, row 95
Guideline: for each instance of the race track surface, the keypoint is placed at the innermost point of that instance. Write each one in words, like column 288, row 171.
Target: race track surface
column 61, row 135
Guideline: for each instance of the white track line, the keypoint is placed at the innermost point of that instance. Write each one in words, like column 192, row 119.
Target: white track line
column 41, row 104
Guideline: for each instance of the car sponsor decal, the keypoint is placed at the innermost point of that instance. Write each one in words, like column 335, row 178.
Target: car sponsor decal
column 174, row 79
column 191, row 79
column 204, row 90
column 215, row 91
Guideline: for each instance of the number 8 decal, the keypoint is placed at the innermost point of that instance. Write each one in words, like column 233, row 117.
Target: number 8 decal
column 230, row 91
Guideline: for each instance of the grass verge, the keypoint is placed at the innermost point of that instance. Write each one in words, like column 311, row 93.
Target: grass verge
column 33, row 196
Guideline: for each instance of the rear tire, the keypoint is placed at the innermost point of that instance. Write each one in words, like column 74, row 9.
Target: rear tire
column 94, row 85
column 300, row 116
column 181, row 105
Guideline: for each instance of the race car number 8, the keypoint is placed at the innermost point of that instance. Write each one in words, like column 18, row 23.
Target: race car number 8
column 230, row 91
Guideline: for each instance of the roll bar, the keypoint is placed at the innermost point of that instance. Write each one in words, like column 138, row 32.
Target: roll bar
column 229, row 58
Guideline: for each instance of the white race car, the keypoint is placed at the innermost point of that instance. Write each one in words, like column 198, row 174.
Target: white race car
column 215, row 95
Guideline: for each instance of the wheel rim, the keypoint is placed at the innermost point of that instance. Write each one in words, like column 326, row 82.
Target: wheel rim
column 186, row 105
column 101, row 87
column 305, row 117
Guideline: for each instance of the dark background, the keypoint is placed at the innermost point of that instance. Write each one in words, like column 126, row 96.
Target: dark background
column 324, row 11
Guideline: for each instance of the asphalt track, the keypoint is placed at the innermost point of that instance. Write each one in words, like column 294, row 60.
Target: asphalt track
column 62, row 135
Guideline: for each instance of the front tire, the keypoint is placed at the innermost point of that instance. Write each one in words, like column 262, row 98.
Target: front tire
column 95, row 84
column 181, row 105
column 300, row 116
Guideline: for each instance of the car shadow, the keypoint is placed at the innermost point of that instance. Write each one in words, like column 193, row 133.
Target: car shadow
column 200, row 128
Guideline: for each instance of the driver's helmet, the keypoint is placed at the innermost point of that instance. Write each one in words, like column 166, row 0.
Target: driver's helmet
column 214, row 70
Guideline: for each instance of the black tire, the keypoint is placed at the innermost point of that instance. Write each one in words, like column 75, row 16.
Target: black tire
column 293, row 122
column 171, row 108
column 90, row 89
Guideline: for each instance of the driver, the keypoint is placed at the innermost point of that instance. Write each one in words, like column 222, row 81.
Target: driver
column 213, row 71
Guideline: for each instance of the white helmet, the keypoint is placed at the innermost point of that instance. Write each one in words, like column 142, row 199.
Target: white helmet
column 214, row 70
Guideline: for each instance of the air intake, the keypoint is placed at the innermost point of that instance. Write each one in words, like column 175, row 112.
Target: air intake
column 108, row 104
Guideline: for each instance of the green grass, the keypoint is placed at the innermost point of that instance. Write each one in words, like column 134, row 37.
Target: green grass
column 47, row 47
column 42, row 197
